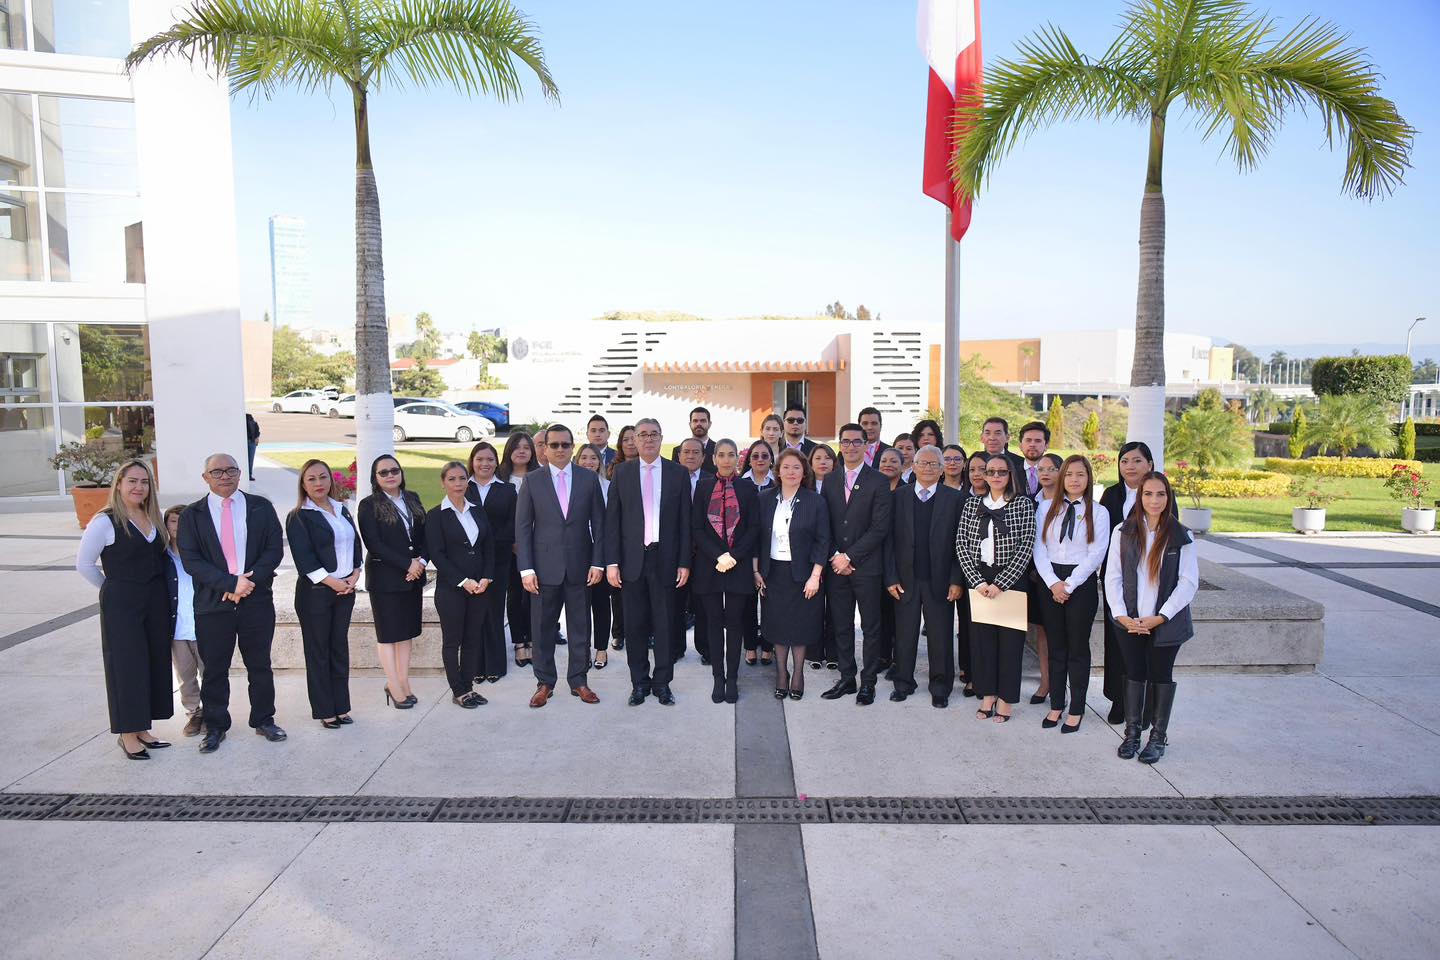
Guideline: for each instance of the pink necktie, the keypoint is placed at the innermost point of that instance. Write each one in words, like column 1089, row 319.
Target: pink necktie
column 647, row 493
column 227, row 537
column 563, row 493
column 849, row 482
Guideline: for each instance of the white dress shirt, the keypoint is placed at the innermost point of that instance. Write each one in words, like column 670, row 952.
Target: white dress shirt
column 907, row 475
column 237, row 520
column 344, row 543
column 517, row 480
column 483, row 489
column 569, row 483
column 1130, row 494
column 605, row 490
column 1146, row 589
column 987, row 546
column 769, row 480
column 652, row 520
column 928, row 495
column 1073, row 550
column 780, row 529
column 185, row 602
column 99, row 534
column 694, row 481
column 467, row 523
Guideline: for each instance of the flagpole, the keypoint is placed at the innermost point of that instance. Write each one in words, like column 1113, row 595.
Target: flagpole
column 950, row 358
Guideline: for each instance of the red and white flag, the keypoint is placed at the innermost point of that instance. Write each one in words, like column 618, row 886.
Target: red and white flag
column 950, row 40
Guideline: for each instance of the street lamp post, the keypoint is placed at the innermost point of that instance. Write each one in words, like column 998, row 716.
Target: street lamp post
column 1408, row 332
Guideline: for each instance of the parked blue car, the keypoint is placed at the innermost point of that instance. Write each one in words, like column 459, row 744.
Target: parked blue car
column 497, row 413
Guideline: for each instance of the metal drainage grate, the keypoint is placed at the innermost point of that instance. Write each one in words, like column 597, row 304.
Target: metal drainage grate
column 95, row 806
column 1292, row 810
column 1026, row 810
column 29, row 806
column 1399, row 811
column 1156, row 810
column 502, row 810
column 631, row 810
column 931, row 810
column 866, row 810
column 763, row 810
column 247, row 809
column 363, row 809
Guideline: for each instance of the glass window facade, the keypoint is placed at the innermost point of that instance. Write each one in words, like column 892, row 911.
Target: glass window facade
column 90, row 28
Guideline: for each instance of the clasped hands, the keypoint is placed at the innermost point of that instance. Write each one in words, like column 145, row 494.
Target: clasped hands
column 244, row 586
column 1140, row 625
column 475, row 586
column 841, row 564
column 952, row 594
column 343, row 585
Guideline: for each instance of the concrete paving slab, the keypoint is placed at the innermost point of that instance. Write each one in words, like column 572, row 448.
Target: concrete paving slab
column 1422, row 584
column 1374, row 890
column 60, row 715
column 96, row 889
column 1396, row 549
column 1335, row 596
column 487, row 890
column 1110, row 891
column 49, row 592
column 1415, row 698
column 1388, row 643
column 1218, row 552
column 11, row 622
column 69, row 651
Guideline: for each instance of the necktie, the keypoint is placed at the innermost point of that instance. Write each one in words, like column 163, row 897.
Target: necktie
column 563, row 492
column 647, row 494
column 849, row 482
column 1067, row 525
column 924, row 495
column 1032, row 480
column 227, row 536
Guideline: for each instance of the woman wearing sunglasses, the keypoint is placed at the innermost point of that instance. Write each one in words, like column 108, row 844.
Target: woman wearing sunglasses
column 392, row 527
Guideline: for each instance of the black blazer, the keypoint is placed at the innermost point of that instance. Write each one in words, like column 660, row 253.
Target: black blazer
column 390, row 548
column 625, row 519
column 809, row 532
column 558, row 546
column 900, row 546
column 312, row 543
column 455, row 557
column 704, row 578
column 500, row 511
column 707, row 464
column 204, row 560
column 860, row 527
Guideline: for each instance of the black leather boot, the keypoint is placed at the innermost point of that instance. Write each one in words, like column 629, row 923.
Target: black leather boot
column 1134, row 707
column 1164, row 699
column 1147, row 717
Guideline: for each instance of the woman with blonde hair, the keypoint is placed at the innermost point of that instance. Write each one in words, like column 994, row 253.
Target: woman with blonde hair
column 123, row 553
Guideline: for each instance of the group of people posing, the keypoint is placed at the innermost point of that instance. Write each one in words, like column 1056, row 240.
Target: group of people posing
column 769, row 550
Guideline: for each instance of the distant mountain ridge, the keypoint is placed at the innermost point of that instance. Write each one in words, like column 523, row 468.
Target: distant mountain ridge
column 1418, row 351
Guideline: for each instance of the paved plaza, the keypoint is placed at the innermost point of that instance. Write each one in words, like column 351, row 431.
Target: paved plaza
column 948, row 863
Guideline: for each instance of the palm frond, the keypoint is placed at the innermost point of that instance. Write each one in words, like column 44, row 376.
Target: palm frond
column 1048, row 82
column 259, row 45
column 477, row 45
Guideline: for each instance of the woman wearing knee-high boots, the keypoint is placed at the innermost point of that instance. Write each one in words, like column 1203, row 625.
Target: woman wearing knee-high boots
column 326, row 550
column 457, row 534
column 123, row 554
column 1151, row 577
column 994, row 544
column 392, row 526
column 1070, row 544
column 724, row 531
column 498, row 501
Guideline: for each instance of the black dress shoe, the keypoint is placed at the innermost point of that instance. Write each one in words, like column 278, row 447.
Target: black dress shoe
column 897, row 696
column 346, row 719
column 781, row 693
column 732, row 691
column 155, row 744
column 637, row 697
column 663, row 694
column 841, row 688
column 137, row 755
column 705, row 660
column 211, row 743
column 891, row 674
column 939, row 702
column 270, row 732
column 330, row 724
column 865, row 696
column 797, row 694
column 717, row 692
column 1117, row 712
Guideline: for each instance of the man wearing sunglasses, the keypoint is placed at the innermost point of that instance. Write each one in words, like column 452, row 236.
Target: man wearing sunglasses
column 795, row 430
column 560, row 549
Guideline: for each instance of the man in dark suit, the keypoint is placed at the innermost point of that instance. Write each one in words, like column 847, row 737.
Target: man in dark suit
column 690, row 455
column 859, row 501
column 559, row 542
column 995, row 437
column 597, row 434
column 870, row 421
column 922, row 573
column 647, row 554
column 230, row 544
column 1034, row 442
column 700, row 431
column 794, row 431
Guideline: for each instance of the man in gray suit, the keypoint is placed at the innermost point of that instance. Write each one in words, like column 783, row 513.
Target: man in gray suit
column 559, row 540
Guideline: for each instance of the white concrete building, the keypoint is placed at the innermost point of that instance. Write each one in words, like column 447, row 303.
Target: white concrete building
column 119, row 297
column 289, row 273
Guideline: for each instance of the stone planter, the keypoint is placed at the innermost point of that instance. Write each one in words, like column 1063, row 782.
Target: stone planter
column 1307, row 520
column 1196, row 518
column 91, row 500
column 1417, row 521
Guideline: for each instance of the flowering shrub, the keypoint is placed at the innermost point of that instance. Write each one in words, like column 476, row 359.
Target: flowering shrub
column 1226, row 484
column 344, row 482
column 1373, row 467
column 1313, row 493
column 1408, row 486
column 1100, row 460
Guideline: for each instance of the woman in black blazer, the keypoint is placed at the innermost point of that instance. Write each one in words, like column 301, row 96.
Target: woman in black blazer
column 457, row 534
column 498, row 498
column 392, row 524
column 326, row 550
column 790, row 555
column 724, row 531
column 757, row 472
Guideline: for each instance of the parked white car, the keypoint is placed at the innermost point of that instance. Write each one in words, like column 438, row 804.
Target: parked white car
column 435, row 420
column 301, row 401
column 344, row 407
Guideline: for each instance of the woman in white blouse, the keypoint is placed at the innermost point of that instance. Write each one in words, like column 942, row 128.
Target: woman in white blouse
column 1070, row 544
column 123, row 553
column 1151, row 576
column 589, row 457
column 326, row 549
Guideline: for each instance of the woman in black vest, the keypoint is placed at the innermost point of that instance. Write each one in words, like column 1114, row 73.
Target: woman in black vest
column 1152, row 574
column 123, row 553
column 498, row 498
column 724, row 532
column 457, row 534
column 994, row 544
column 392, row 525
column 326, row 550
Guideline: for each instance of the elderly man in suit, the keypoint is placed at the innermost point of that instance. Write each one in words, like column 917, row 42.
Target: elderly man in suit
column 560, row 549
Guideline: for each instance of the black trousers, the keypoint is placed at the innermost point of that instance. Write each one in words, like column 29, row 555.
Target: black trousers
column 324, row 619
column 995, row 655
column 1114, row 666
column 845, row 594
column 601, row 603
column 462, row 630
column 545, row 629
column 251, row 627
column 724, row 615
column 922, row 600
column 135, row 648
column 517, row 607
column 754, row 639
column 824, row 651
column 649, row 602
column 962, row 635
column 688, row 602
column 888, row 627
column 1067, row 630
column 493, row 660
column 1146, row 662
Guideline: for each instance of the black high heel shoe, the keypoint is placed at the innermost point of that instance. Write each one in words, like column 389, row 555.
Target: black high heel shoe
column 141, row 754
column 796, row 694
column 155, row 744
column 781, row 693
column 1039, row 698
column 330, row 724
column 1066, row 728
column 1047, row 723
column 396, row 702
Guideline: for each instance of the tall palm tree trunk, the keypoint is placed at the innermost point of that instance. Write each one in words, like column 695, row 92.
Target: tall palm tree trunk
column 374, row 410
column 1147, row 372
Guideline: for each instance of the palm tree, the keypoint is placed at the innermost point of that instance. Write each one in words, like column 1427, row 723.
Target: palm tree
column 1225, row 64
column 1345, row 422
column 1264, row 405
column 263, row 46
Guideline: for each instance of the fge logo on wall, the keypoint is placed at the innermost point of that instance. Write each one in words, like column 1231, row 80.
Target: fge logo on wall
column 519, row 348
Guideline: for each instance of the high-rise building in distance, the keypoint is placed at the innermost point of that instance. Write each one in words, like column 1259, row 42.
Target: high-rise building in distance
column 289, row 272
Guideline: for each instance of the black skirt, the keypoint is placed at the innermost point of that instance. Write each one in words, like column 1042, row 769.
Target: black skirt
column 788, row 618
column 397, row 615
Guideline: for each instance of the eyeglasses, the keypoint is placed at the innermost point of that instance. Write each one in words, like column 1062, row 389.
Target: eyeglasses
column 954, row 459
column 762, row 457
column 922, row 464
column 997, row 473
column 852, row 443
column 559, row 444
column 388, row 472
column 228, row 474
column 795, row 420
column 647, row 435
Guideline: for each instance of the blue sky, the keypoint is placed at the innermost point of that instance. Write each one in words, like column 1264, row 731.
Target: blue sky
column 764, row 158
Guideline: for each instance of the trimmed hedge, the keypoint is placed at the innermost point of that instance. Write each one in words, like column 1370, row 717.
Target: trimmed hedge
column 1378, row 468
column 1385, row 377
column 1241, row 483
column 1423, row 429
column 1428, row 455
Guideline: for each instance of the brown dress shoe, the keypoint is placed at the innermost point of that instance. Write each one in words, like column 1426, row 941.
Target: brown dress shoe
column 542, row 694
column 585, row 694
column 194, row 725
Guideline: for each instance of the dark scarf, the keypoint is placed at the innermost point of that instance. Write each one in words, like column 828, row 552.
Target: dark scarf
column 724, row 510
